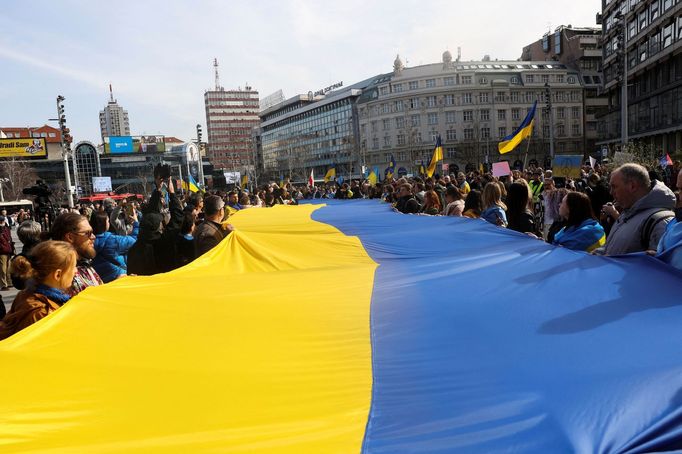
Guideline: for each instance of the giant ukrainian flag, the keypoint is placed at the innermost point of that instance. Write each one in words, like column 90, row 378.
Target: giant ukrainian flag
column 524, row 130
column 357, row 343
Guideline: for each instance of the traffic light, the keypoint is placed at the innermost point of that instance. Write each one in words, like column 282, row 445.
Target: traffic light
column 61, row 118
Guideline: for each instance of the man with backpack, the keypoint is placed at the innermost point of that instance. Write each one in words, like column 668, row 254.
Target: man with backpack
column 646, row 210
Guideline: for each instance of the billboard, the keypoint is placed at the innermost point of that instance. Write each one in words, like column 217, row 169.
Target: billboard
column 101, row 184
column 28, row 148
column 134, row 144
column 123, row 144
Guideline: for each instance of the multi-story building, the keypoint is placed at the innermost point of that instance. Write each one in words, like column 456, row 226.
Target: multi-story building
column 312, row 132
column 230, row 118
column 471, row 105
column 113, row 120
column 579, row 48
column 643, row 50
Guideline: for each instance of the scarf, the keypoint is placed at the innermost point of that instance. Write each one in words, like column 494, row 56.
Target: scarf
column 54, row 294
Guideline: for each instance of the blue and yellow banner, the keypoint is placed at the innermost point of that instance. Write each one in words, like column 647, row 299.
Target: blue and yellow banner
column 524, row 130
column 330, row 175
column 357, row 344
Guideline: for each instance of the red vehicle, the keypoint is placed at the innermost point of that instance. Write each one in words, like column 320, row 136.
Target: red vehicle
column 110, row 195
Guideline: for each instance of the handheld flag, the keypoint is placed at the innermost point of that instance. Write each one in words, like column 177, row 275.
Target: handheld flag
column 422, row 169
column 593, row 161
column 666, row 161
column 192, row 185
column 524, row 130
column 437, row 156
column 311, row 179
column 245, row 180
column 330, row 175
column 390, row 170
column 372, row 178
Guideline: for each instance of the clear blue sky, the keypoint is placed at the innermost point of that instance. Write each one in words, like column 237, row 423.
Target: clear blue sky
column 158, row 54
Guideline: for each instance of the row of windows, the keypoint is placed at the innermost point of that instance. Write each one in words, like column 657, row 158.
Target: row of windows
column 35, row 134
column 468, row 134
column 469, row 98
column 467, row 116
column 648, row 48
column 468, row 80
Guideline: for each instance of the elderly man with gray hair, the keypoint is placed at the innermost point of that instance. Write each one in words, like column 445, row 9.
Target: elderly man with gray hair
column 646, row 210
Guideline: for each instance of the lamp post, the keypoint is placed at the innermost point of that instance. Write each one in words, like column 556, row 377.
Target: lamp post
column 548, row 104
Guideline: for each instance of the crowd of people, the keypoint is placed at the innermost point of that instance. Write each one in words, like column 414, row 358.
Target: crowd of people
column 629, row 209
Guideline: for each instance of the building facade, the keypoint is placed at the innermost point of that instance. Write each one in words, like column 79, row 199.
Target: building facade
column 642, row 46
column 471, row 105
column 230, row 117
column 312, row 132
column 579, row 48
column 113, row 120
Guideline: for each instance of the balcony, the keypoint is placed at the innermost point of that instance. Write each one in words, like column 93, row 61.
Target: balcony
column 595, row 53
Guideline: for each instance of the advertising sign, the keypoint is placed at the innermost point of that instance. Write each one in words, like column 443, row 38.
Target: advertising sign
column 134, row 144
column 232, row 177
column 123, row 144
column 567, row 166
column 28, row 148
column 101, row 184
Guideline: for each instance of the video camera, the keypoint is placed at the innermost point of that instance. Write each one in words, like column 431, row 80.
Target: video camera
column 39, row 189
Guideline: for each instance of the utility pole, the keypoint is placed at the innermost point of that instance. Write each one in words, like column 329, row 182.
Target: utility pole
column 66, row 140
column 548, row 106
column 201, row 163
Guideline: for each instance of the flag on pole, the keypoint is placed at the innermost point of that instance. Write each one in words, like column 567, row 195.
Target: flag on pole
column 192, row 185
column 437, row 156
column 311, row 179
column 593, row 161
column 245, row 180
column 422, row 168
column 524, row 130
column 330, row 175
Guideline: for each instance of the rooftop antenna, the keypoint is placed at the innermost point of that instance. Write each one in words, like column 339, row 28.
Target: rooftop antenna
column 459, row 53
column 217, row 77
column 111, row 94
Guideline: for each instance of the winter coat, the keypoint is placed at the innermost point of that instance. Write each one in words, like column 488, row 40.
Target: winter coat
column 110, row 261
column 408, row 204
column 208, row 235
column 626, row 234
column 6, row 243
column 28, row 307
column 154, row 252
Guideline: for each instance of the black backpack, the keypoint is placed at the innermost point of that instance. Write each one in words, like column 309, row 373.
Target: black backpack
column 650, row 224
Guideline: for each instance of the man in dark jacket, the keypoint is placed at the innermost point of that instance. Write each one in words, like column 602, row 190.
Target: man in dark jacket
column 211, row 232
column 406, row 202
column 154, row 252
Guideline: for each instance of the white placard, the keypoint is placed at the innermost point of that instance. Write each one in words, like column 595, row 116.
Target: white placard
column 232, row 177
column 101, row 184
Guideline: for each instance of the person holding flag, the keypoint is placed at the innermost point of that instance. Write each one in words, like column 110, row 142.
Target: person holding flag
column 524, row 130
column 437, row 156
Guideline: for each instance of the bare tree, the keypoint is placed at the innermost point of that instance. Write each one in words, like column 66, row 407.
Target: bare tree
column 19, row 175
